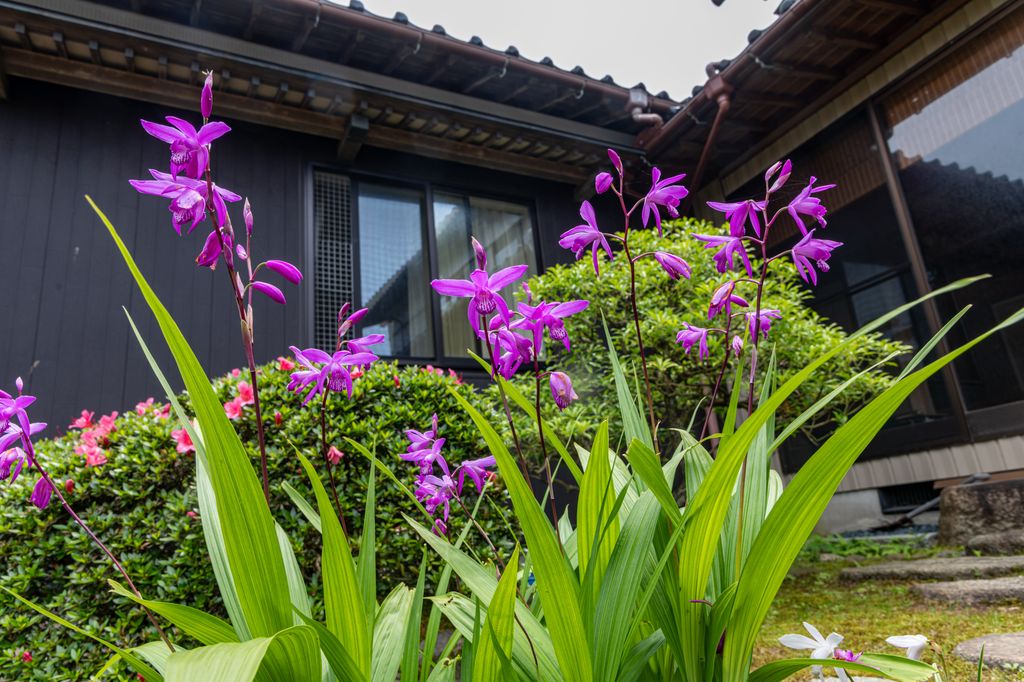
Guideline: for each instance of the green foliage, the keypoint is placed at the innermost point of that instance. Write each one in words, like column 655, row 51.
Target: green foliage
column 679, row 382
column 138, row 502
column 869, row 548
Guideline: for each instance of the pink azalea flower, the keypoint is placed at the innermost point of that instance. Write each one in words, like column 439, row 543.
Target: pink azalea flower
column 95, row 458
column 164, row 411
column 233, row 409
column 284, row 364
column 278, row 418
column 398, row 382
column 246, row 393
column 83, row 422
column 334, row 455
column 182, row 441
column 191, row 514
column 143, row 407
column 108, row 423
column 453, row 375
column 26, row 656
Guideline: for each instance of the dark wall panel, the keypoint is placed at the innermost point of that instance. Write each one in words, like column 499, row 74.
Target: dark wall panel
column 62, row 327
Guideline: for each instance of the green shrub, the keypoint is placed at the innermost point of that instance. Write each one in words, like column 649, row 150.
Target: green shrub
column 142, row 502
column 680, row 382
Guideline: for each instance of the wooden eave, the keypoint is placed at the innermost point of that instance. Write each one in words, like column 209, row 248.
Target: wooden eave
column 105, row 49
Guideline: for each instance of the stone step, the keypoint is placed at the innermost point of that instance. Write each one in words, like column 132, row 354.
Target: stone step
column 974, row 592
column 1003, row 651
column 997, row 544
column 955, row 568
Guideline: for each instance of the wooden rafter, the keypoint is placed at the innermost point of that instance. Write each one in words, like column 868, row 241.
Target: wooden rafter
column 441, row 69
column 853, row 40
column 899, row 6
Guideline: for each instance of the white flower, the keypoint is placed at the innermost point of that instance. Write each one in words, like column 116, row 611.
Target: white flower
column 820, row 647
column 914, row 644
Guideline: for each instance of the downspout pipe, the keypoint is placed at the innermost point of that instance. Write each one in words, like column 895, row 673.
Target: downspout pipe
column 718, row 88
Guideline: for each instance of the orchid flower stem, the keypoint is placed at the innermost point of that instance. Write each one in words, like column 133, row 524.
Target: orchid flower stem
column 99, row 543
column 480, row 529
column 755, row 330
column 247, row 335
column 636, row 321
column 504, row 399
column 544, row 449
column 718, row 384
column 327, row 460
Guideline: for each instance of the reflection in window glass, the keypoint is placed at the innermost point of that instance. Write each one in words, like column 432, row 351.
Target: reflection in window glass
column 506, row 232
column 394, row 271
column 957, row 134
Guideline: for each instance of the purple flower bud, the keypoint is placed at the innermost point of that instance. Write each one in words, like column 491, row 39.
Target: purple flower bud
column 285, row 269
column 206, row 100
column 41, row 493
column 241, row 252
column 616, row 161
column 481, row 255
column 20, row 385
column 737, row 345
column 247, row 214
column 673, row 264
column 602, row 182
column 270, row 291
column 348, row 322
column 786, row 167
column 529, row 294
column 343, row 312
column 561, row 390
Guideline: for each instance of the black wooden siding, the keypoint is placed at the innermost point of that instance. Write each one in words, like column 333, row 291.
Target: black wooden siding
column 65, row 283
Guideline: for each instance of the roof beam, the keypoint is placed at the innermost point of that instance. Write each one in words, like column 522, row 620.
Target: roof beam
column 355, row 132
column 853, row 40
column 475, row 155
column 899, row 6
column 442, row 68
column 346, row 54
column 565, row 96
column 88, row 76
column 805, row 72
column 767, row 99
column 491, row 74
column 308, row 24
column 255, row 11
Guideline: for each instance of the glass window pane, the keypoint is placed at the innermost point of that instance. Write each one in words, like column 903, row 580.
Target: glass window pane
column 956, row 133
column 506, row 232
column 394, row 270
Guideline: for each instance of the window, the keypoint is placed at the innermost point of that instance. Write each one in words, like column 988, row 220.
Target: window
column 955, row 133
column 397, row 238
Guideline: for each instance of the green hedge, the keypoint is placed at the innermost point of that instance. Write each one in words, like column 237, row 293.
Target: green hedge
column 142, row 503
column 681, row 381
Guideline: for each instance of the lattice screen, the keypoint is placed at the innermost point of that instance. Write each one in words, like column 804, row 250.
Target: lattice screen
column 332, row 205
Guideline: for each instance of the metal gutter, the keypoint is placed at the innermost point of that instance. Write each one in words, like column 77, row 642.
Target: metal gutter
column 176, row 36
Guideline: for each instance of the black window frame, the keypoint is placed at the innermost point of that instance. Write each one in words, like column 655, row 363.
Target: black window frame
column 427, row 189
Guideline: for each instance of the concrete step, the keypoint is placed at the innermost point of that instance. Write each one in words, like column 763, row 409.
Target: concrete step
column 996, row 544
column 974, row 592
column 955, row 568
column 1002, row 651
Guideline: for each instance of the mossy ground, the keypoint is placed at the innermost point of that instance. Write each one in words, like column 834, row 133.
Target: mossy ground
column 866, row 613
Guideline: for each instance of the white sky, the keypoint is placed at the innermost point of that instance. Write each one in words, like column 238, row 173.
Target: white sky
column 664, row 43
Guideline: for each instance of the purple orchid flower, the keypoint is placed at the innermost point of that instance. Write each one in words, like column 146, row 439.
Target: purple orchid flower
column 809, row 252
column 846, row 655
column 723, row 299
column 738, row 213
column 420, row 440
column 11, row 463
column 805, row 204
column 602, row 182
column 363, row 343
column 728, row 247
column 765, row 324
column 783, row 168
column 547, row 316
column 510, row 348
column 426, row 457
column 15, row 433
column 436, row 491
column 675, row 266
column 587, row 234
column 476, row 469
column 561, row 390
column 326, row 372
column 188, row 198
column 206, row 98
column 190, row 153
column 41, row 493
column 663, row 193
column 691, row 336
column 210, row 254
column 483, row 291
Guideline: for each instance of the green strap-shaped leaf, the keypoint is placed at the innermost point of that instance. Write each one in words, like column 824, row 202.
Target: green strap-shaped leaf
column 292, row 655
column 804, row 500
column 411, row 648
column 636, row 660
column 343, row 601
column 302, row 505
column 156, row 653
column 556, row 582
column 890, row 667
column 620, row 588
column 634, row 423
column 597, row 526
column 341, row 664
column 389, row 634
column 646, row 465
column 134, row 661
column 366, row 564
column 250, row 541
column 197, row 624
column 482, row 583
column 493, row 652
column 207, row 504
column 706, row 510
column 296, row 583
